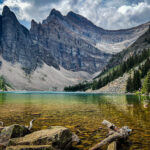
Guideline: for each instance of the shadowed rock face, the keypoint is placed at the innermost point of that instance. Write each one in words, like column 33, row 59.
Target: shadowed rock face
column 50, row 42
column 17, row 45
column 79, row 45
column 70, row 41
column 70, row 51
column 142, row 43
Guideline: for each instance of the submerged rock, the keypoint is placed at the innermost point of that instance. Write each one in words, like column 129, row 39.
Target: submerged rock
column 2, row 147
column 57, row 136
column 12, row 131
column 30, row 147
column 1, row 128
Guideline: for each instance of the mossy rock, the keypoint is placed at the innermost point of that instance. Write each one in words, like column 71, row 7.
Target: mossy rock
column 30, row 147
column 1, row 128
column 57, row 136
column 12, row 131
column 2, row 147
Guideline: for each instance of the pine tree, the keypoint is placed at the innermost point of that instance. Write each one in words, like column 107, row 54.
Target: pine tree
column 99, row 84
column 123, row 68
column 146, row 85
column 145, row 68
column 136, row 80
column 129, row 86
column 94, row 85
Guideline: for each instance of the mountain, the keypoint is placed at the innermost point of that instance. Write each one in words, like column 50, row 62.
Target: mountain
column 18, row 47
column 123, row 65
column 111, row 41
column 60, row 51
column 71, row 51
column 26, row 64
column 143, row 42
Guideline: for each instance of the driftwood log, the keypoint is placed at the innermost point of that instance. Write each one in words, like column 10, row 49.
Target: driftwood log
column 1, row 123
column 112, row 146
column 31, row 124
column 114, row 135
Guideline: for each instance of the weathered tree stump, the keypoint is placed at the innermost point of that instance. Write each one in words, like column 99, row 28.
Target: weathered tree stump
column 114, row 135
column 112, row 146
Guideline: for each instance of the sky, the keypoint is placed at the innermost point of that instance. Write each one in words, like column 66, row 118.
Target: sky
column 108, row 14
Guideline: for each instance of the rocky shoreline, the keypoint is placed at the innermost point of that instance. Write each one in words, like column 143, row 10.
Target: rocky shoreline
column 19, row 137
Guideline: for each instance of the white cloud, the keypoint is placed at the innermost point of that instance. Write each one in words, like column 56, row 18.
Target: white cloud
column 109, row 14
column 19, row 7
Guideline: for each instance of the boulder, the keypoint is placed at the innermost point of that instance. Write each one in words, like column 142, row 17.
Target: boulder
column 2, row 146
column 75, row 139
column 57, row 136
column 1, row 128
column 30, row 147
column 12, row 131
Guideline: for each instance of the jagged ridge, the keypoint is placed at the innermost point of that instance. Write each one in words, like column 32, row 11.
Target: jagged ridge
column 17, row 45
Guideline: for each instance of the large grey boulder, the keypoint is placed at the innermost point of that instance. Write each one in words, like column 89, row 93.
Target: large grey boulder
column 12, row 131
column 57, row 136
column 30, row 147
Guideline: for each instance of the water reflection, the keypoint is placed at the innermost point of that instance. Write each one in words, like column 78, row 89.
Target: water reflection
column 2, row 98
column 81, row 113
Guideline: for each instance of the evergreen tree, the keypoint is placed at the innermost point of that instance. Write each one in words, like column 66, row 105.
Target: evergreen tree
column 145, row 68
column 146, row 85
column 99, row 84
column 123, row 68
column 3, row 84
column 136, row 80
column 94, row 85
column 129, row 86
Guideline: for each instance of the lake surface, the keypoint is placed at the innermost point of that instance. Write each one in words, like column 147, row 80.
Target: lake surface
column 82, row 113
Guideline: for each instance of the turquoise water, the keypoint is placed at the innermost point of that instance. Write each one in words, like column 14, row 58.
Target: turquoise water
column 81, row 112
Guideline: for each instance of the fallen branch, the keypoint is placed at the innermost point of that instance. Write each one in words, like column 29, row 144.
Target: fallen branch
column 109, row 125
column 114, row 135
column 2, row 123
column 112, row 146
column 31, row 124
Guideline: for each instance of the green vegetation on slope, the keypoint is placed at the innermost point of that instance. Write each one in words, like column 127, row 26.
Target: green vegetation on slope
column 135, row 49
column 3, row 84
column 135, row 83
column 113, row 73
column 79, row 87
column 146, row 85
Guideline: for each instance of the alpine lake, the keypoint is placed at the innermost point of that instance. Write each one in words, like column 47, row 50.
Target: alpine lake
column 81, row 112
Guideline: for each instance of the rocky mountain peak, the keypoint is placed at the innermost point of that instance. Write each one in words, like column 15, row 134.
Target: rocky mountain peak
column 71, row 14
column 78, row 19
column 9, row 16
column 55, row 13
column 6, row 10
column 33, row 23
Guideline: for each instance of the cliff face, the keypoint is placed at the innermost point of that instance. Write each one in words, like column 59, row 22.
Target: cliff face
column 143, row 42
column 60, row 51
column 79, row 45
column 105, row 40
column 70, row 51
column 17, row 45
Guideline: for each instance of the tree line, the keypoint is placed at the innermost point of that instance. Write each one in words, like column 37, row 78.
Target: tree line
column 116, row 72
column 3, row 84
column 123, row 68
column 135, row 83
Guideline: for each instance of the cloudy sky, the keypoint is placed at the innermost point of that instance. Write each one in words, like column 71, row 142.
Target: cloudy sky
column 108, row 14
